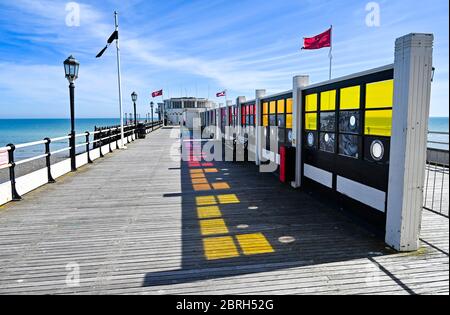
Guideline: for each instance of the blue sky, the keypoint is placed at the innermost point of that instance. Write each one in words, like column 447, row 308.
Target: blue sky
column 197, row 48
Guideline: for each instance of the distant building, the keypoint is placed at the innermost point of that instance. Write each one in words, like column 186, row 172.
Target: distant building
column 185, row 109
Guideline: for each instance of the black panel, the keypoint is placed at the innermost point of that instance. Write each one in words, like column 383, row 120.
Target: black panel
column 375, row 145
column 272, row 120
column 350, row 122
column 281, row 120
column 350, row 145
column 327, row 142
column 311, row 140
column 328, row 121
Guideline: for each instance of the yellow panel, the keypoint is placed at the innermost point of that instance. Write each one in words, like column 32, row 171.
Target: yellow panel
column 211, row 170
column 198, row 171
column 228, row 199
column 265, row 121
column 206, row 201
column 311, row 103
column 350, row 97
column 199, row 181
column 209, row 212
column 265, row 108
column 213, row 227
column 280, row 107
column 220, row 248
column 221, row 186
column 273, row 107
column 380, row 94
column 254, row 244
column 201, row 187
column 378, row 123
column 311, row 121
column 289, row 121
column 197, row 176
column 328, row 100
column 289, row 105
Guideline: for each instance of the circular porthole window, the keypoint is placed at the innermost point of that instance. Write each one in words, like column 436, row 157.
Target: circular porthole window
column 327, row 138
column 377, row 150
column 310, row 139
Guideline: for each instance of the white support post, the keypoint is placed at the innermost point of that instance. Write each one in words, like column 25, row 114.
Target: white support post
column 240, row 100
column 299, row 82
column 412, row 89
column 259, row 94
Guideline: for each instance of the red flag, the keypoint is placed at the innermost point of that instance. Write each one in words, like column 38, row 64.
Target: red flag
column 221, row 94
column 157, row 93
column 317, row 42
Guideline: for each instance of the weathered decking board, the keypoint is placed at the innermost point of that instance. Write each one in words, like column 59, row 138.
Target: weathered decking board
column 130, row 222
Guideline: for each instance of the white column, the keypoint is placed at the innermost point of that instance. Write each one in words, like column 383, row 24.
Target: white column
column 258, row 95
column 412, row 88
column 299, row 82
column 239, row 101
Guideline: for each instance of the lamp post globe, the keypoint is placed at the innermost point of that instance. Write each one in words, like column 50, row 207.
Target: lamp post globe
column 71, row 68
column 134, row 98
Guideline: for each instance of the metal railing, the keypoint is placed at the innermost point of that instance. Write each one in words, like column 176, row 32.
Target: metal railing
column 436, row 194
column 102, row 137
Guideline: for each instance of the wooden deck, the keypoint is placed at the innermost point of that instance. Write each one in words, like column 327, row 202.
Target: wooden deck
column 139, row 222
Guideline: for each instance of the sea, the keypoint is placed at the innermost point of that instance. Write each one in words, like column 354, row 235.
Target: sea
column 19, row 131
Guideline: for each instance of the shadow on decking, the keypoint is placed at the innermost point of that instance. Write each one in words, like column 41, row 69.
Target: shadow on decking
column 300, row 229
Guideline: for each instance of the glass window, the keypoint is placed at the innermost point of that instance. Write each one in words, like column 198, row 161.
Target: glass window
column 328, row 121
column 327, row 142
column 378, row 123
column 289, row 121
column 311, row 103
column 273, row 120
column 328, row 100
column 350, row 98
column 265, row 121
column 280, row 107
column 349, row 146
column 281, row 121
column 311, row 121
column 380, row 94
column 265, row 108
column 349, row 122
column 273, row 107
column 289, row 105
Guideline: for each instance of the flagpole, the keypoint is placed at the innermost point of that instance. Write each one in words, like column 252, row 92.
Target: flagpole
column 331, row 50
column 164, row 109
column 119, row 79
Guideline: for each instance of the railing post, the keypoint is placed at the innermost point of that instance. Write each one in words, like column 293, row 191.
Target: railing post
column 48, row 161
column 88, row 149
column 412, row 88
column 100, row 135
column 110, row 140
column 12, row 173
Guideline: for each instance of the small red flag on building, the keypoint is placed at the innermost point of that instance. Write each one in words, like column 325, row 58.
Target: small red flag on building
column 221, row 94
column 319, row 41
column 157, row 93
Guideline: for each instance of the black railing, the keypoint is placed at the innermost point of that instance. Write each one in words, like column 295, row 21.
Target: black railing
column 436, row 194
column 101, row 137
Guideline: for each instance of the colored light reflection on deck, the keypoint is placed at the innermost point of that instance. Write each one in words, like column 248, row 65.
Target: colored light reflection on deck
column 206, row 201
column 220, row 186
column 228, row 199
column 210, row 212
column 213, row 227
column 220, row 248
column 254, row 244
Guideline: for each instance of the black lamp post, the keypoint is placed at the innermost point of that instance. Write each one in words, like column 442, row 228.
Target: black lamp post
column 71, row 67
column 151, row 107
column 134, row 98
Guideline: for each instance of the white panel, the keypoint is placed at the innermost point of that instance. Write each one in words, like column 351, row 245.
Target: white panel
column 31, row 181
column 268, row 155
column 61, row 168
column 5, row 193
column 95, row 154
column 367, row 195
column 319, row 175
column 81, row 160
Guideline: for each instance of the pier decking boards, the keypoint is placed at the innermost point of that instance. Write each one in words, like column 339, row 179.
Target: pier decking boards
column 138, row 222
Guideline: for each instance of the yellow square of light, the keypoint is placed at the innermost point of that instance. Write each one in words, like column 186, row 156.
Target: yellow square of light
column 211, row 170
column 221, row 186
column 201, row 187
column 220, row 248
column 254, row 244
column 196, row 171
column 206, row 201
column 198, row 176
column 213, row 227
column 228, row 199
column 199, row 181
column 209, row 212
